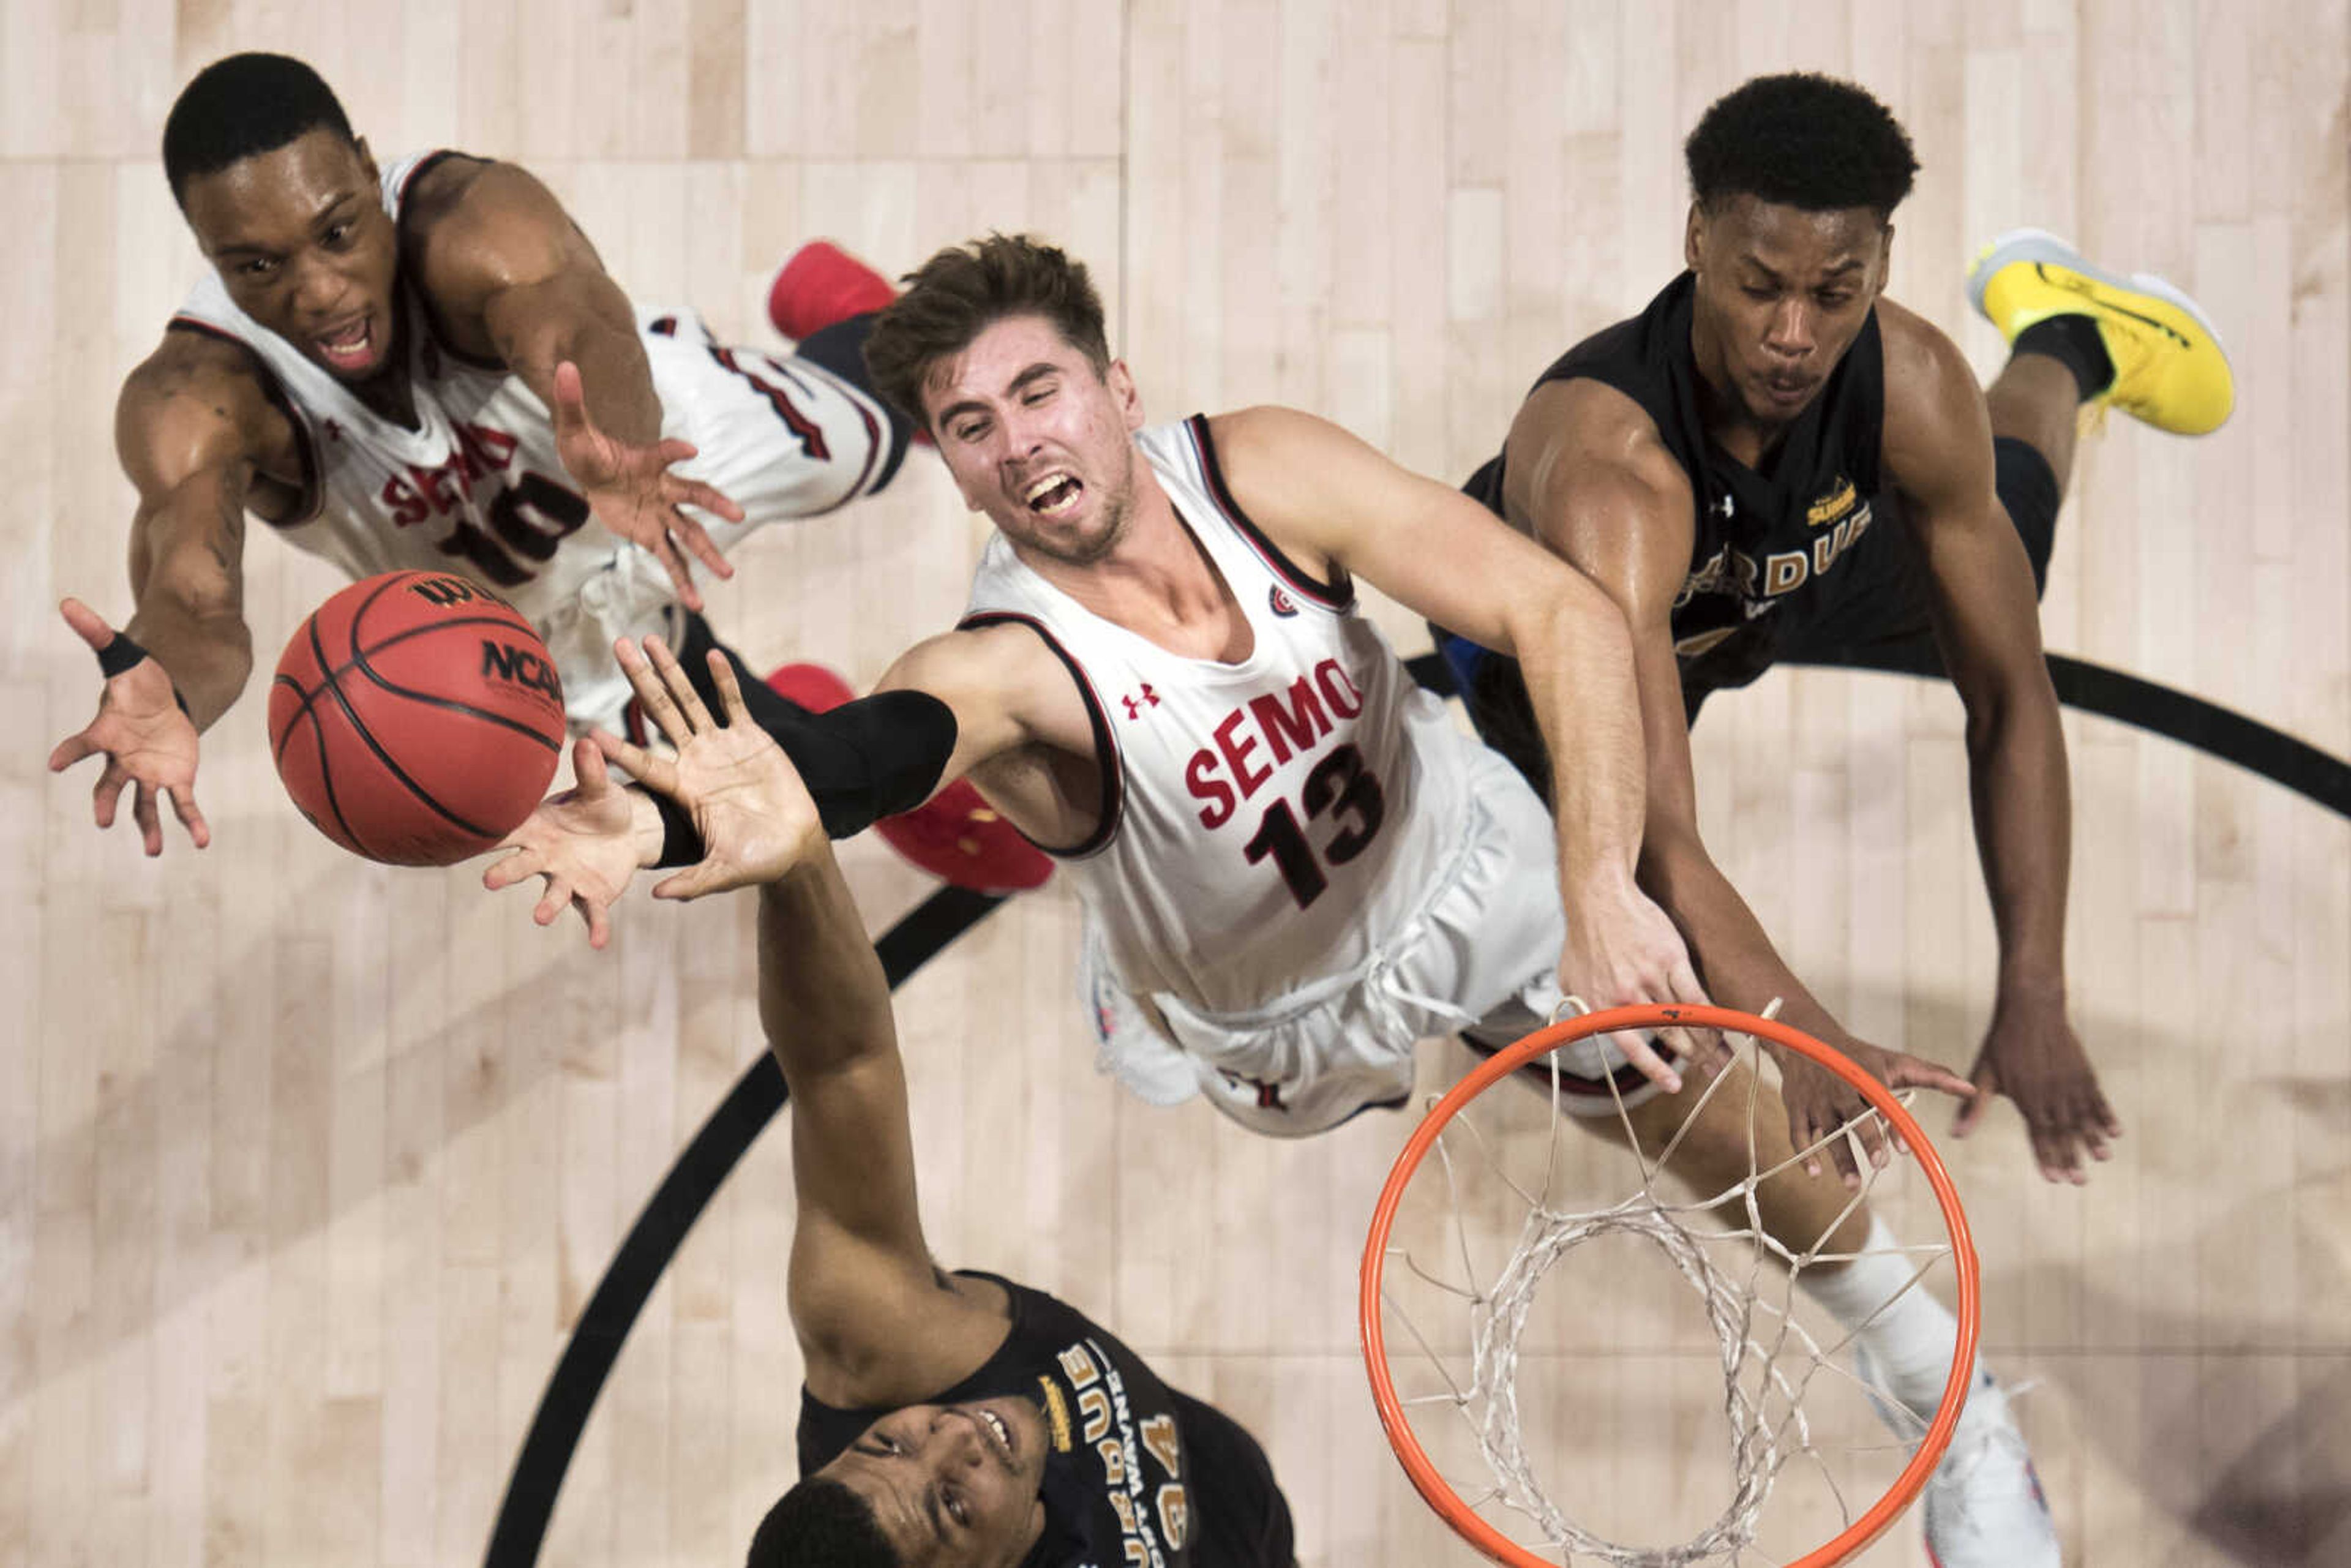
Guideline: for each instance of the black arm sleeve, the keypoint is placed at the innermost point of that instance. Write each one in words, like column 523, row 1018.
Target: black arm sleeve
column 866, row 760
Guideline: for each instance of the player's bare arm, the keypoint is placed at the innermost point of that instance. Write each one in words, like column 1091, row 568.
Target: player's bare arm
column 877, row 1321
column 1987, row 625
column 510, row 277
column 992, row 702
column 1318, row 489
column 1022, row 733
column 202, row 442
column 1588, row 475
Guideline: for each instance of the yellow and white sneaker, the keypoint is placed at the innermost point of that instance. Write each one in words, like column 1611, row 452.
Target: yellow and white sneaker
column 2171, row 370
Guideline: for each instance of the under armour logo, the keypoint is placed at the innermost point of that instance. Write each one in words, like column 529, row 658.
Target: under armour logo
column 1723, row 507
column 1136, row 703
column 1282, row 603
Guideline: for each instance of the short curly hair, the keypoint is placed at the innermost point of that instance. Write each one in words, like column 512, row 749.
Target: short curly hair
column 241, row 106
column 965, row 289
column 1804, row 140
column 821, row 1524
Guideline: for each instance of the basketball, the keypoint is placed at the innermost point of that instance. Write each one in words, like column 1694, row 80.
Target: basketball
column 415, row 719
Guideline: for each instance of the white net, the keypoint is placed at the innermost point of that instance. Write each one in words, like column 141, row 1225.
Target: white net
column 1463, row 1326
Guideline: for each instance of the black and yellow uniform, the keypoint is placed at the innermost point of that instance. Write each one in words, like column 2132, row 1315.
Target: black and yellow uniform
column 1806, row 559
column 1139, row 1472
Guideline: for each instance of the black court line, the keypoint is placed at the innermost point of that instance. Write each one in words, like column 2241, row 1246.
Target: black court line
column 660, row 1229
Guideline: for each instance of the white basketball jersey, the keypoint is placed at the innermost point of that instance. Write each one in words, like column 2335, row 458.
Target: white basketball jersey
column 477, row 487
column 1263, row 823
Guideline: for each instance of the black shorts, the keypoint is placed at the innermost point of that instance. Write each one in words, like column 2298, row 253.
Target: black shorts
column 1879, row 620
column 1240, row 1520
column 1876, row 619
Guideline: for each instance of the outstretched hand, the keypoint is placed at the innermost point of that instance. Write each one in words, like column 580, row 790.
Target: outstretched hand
column 633, row 493
column 147, row 740
column 586, row 842
column 755, row 816
column 2032, row 1055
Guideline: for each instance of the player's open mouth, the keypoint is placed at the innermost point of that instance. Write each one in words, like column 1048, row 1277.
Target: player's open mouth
column 1785, row 392
column 1053, row 495
column 1002, row 1430
column 350, row 346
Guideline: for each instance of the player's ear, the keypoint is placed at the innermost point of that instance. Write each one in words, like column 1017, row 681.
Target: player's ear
column 1121, row 381
column 367, row 160
column 1694, row 237
column 1885, row 257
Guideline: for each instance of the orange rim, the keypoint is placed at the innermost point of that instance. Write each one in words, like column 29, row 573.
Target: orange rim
column 1433, row 1487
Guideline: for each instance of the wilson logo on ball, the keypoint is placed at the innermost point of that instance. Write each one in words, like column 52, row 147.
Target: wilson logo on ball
column 521, row 666
column 444, row 591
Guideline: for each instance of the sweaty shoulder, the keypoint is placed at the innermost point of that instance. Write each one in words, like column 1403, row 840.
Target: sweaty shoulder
column 202, row 401
column 470, row 227
column 1576, row 439
column 1934, row 408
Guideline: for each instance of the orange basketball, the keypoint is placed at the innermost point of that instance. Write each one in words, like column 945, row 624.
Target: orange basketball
column 416, row 719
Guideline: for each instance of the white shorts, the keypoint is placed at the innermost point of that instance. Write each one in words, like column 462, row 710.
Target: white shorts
column 779, row 435
column 1480, row 955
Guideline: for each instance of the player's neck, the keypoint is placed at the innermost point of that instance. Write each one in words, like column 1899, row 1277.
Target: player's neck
column 1159, row 583
column 1730, row 424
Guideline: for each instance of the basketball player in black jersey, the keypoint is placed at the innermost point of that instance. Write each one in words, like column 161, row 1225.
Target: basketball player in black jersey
column 1774, row 461
column 947, row 1418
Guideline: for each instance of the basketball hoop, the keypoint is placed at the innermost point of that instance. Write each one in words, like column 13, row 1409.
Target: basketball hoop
column 1769, row 1360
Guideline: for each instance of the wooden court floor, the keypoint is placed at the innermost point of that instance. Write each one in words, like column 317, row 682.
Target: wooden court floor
column 307, row 1167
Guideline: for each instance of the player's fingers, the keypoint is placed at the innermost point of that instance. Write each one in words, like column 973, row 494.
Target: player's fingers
column 1803, row 1133
column 519, row 864
column 151, row 823
column 192, row 816
column 1840, row 1155
column 599, row 925
column 588, row 771
column 2054, row 1149
column 680, row 688
column 688, row 884
column 570, row 408
column 553, row 900
column 1869, row 1129
column 709, row 497
column 71, row 750
column 730, row 690
column 681, row 576
column 653, row 693
column 696, row 539
column 1636, row 1050
column 106, row 793
column 87, row 623
column 1916, row 1072
column 653, row 772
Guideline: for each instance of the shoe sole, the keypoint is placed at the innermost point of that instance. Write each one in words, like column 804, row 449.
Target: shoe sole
column 2039, row 246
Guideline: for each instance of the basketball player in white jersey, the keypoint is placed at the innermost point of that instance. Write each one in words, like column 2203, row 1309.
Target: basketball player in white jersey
column 425, row 365
column 1292, row 866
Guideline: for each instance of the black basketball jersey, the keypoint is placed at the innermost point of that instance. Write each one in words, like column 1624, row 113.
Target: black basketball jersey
column 1768, row 547
column 1112, row 1423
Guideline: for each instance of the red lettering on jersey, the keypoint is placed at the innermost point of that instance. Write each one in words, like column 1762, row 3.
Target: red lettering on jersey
column 434, row 484
column 489, row 448
column 1337, row 689
column 1237, row 749
column 1200, row 779
column 407, row 506
column 1300, row 724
